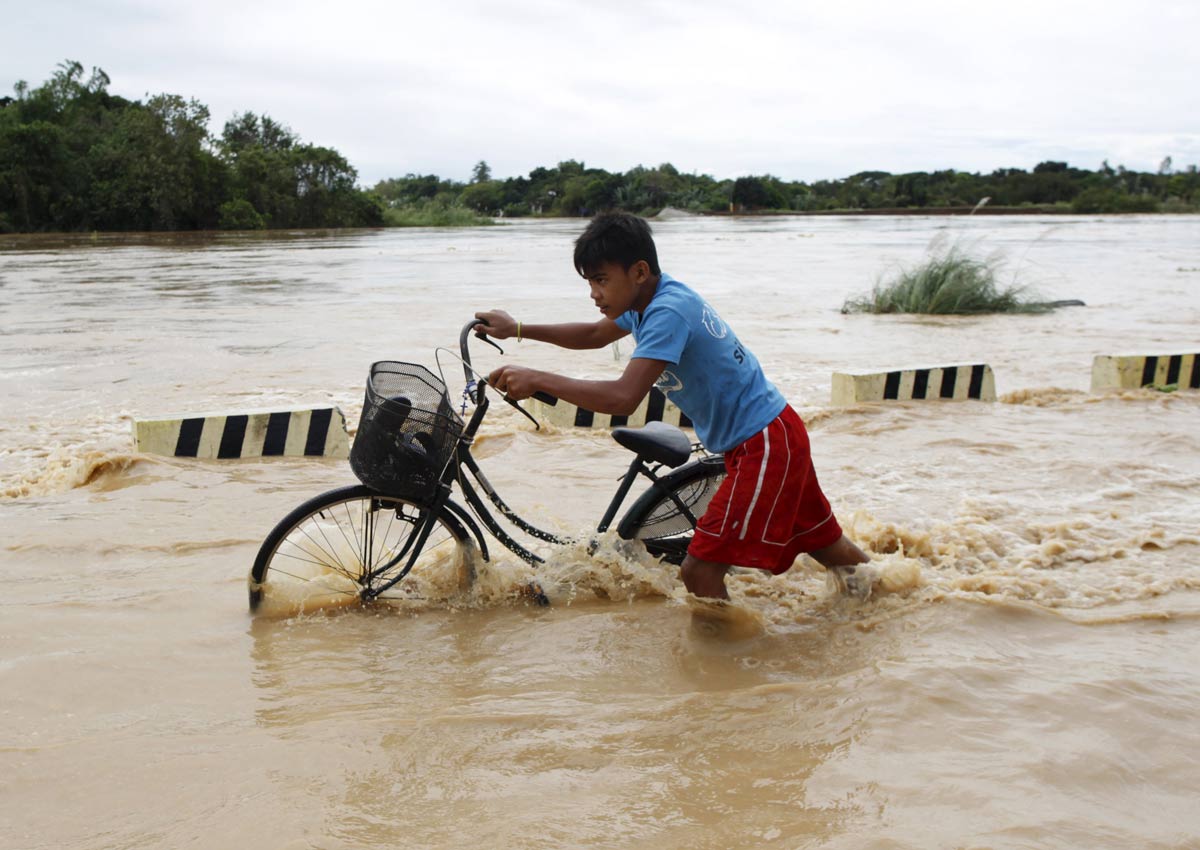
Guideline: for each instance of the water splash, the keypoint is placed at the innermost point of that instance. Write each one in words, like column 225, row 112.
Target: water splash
column 67, row 468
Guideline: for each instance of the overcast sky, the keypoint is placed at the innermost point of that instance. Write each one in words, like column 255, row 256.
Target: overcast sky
column 801, row 90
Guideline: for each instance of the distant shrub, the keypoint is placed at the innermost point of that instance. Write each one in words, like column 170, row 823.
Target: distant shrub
column 1099, row 200
column 1172, row 204
column 433, row 212
column 239, row 215
column 948, row 283
column 516, row 210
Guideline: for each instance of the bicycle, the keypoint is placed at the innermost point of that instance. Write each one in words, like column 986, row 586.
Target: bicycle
column 371, row 540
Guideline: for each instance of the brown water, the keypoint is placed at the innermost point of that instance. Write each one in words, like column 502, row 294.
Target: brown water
column 1028, row 677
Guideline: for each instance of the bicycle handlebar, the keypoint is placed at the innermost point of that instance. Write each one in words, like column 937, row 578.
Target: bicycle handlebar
column 464, row 338
column 465, row 349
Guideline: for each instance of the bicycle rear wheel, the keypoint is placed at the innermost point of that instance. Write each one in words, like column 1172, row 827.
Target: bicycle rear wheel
column 664, row 517
column 347, row 544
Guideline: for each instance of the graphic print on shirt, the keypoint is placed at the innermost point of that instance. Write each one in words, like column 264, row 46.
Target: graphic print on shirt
column 668, row 382
column 712, row 377
column 713, row 323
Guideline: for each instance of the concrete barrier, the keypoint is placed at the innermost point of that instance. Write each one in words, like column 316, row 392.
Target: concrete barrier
column 654, row 408
column 949, row 383
column 310, row 432
column 1133, row 371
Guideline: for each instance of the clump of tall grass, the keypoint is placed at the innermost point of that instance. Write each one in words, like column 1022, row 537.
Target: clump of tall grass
column 949, row 282
column 434, row 212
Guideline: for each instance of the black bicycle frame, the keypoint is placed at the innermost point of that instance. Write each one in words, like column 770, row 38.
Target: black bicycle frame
column 463, row 459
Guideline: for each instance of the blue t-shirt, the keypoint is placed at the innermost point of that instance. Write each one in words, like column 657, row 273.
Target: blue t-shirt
column 713, row 378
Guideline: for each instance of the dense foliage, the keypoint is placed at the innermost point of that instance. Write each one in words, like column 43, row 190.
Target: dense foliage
column 571, row 189
column 568, row 189
column 75, row 157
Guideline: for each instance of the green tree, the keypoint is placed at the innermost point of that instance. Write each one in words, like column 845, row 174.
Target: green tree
column 45, row 136
column 239, row 215
column 325, row 190
column 485, row 197
column 411, row 188
column 33, row 158
column 246, row 131
column 757, row 193
column 73, row 156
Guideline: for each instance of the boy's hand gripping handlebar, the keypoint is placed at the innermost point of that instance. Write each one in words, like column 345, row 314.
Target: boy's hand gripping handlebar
column 481, row 382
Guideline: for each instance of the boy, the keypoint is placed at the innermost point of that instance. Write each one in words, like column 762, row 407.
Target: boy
column 770, row 507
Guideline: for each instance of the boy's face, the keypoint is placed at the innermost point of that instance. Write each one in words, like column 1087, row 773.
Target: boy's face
column 617, row 290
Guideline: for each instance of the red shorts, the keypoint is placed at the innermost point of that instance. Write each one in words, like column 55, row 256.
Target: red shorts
column 770, row 507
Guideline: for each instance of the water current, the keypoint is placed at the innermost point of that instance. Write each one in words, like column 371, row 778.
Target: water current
column 1027, row 677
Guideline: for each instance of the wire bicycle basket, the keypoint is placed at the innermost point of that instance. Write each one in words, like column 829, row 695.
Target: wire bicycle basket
column 407, row 433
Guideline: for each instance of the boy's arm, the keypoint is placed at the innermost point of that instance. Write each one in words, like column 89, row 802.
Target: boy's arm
column 577, row 335
column 620, row 397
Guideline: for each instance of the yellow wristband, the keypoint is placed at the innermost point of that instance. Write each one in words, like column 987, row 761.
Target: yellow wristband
column 518, row 331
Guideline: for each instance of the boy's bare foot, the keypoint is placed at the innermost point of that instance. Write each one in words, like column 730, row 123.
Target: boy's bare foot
column 722, row 620
column 854, row 580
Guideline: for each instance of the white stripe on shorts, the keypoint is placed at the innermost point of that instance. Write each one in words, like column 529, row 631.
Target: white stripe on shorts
column 762, row 473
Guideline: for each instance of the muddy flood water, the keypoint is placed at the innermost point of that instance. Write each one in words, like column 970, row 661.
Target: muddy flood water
column 1030, row 678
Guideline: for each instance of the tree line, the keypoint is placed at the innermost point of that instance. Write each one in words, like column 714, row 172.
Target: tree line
column 572, row 189
column 75, row 157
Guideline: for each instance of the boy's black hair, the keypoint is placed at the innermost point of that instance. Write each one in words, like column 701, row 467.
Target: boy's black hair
column 615, row 237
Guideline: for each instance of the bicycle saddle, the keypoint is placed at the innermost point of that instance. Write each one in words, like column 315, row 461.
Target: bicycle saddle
column 656, row 441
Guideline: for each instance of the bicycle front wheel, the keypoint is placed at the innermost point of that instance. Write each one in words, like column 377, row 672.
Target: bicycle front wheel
column 664, row 517
column 352, row 543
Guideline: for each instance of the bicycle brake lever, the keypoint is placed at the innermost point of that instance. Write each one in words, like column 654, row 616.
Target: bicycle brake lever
column 482, row 336
column 524, row 412
column 517, row 405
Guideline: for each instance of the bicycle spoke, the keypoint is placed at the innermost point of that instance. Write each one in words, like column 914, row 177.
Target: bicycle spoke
column 358, row 534
column 394, row 552
column 386, row 552
column 310, row 580
column 406, row 589
column 330, row 558
column 447, row 538
column 351, row 540
column 331, row 551
column 381, row 540
column 319, row 562
column 315, row 563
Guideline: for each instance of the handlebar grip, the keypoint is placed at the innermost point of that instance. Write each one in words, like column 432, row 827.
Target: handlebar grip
column 546, row 398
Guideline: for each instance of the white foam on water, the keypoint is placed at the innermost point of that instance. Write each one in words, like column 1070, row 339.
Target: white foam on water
column 61, row 468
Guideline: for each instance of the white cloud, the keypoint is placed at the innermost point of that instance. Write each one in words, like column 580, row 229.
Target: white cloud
column 801, row 90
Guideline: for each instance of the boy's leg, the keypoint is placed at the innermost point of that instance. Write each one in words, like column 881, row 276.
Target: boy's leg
column 843, row 560
column 704, row 578
column 843, row 553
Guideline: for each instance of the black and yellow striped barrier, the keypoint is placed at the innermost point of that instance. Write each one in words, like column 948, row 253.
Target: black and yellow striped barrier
column 1133, row 371
column 654, row 408
column 948, row 383
column 311, row 432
